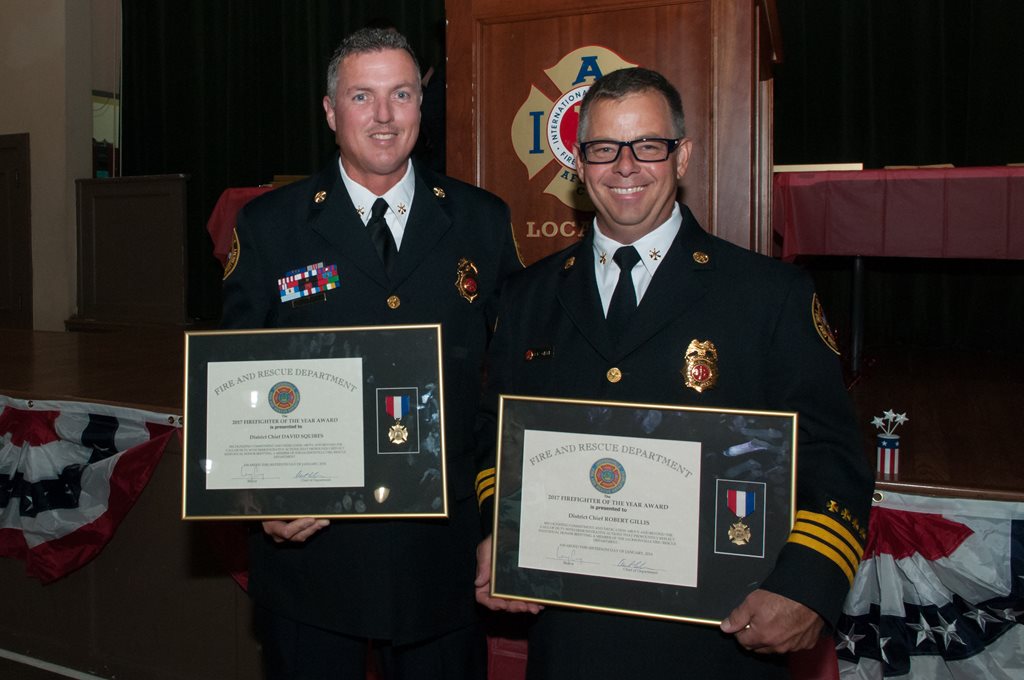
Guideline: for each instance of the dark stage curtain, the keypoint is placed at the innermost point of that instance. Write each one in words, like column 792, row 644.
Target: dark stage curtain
column 229, row 92
column 900, row 82
column 909, row 82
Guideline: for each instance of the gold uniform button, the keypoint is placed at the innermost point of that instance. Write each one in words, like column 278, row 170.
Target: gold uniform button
column 394, row 302
column 700, row 257
column 614, row 375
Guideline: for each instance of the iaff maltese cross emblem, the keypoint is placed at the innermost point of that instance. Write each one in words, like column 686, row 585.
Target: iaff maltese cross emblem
column 544, row 130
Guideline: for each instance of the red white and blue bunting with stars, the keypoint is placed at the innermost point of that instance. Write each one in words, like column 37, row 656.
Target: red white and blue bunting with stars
column 940, row 593
column 69, row 473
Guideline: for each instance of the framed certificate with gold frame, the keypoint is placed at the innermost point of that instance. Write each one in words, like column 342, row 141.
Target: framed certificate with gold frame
column 661, row 511
column 318, row 422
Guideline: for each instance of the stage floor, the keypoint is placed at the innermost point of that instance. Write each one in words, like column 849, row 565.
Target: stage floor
column 961, row 439
column 143, row 369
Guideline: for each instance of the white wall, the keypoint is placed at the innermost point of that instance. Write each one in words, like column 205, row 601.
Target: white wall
column 45, row 77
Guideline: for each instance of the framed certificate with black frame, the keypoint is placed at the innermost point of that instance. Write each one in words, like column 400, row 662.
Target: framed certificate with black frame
column 661, row 511
column 317, row 422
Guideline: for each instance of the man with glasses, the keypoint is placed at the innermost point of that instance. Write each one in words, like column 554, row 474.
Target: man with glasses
column 612, row 317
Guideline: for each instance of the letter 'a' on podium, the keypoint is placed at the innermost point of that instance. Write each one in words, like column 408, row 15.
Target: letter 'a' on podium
column 341, row 423
column 667, row 512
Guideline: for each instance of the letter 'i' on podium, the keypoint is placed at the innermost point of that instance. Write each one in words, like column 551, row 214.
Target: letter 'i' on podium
column 888, row 455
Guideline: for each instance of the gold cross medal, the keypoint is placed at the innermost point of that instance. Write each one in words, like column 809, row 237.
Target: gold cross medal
column 397, row 406
column 741, row 503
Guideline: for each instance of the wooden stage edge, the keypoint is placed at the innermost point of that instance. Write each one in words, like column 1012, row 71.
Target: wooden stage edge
column 960, row 441
column 942, row 491
column 141, row 369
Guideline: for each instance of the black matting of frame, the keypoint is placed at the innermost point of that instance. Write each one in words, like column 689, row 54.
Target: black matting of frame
column 724, row 580
column 393, row 356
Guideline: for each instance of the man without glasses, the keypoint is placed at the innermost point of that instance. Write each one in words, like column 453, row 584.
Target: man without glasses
column 409, row 247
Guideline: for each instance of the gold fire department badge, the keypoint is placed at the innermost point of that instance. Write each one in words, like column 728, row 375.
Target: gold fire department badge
column 466, row 280
column 701, row 371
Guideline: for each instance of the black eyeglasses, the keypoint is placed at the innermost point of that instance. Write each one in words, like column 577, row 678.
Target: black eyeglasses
column 645, row 149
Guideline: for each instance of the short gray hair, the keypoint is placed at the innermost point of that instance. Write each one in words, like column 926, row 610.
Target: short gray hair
column 362, row 41
column 624, row 82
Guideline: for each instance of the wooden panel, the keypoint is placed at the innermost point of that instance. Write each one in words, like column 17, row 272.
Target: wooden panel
column 961, row 438
column 131, row 250
column 157, row 603
column 498, row 55
column 154, row 605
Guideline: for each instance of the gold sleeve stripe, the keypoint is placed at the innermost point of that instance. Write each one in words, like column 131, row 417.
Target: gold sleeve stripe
column 835, row 526
column 484, row 486
column 485, row 482
column 483, row 475
column 827, row 537
column 818, row 547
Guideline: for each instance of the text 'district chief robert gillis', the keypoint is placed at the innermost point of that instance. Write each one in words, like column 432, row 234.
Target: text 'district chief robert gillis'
column 618, row 507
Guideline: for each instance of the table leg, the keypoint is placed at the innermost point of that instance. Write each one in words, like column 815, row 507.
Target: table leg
column 857, row 315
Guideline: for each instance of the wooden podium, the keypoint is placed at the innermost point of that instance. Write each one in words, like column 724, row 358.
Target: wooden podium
column 516, row 73
column 515, row 77
column 132, row 253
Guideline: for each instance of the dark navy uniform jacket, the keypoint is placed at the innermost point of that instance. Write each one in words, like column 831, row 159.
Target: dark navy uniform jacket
column 759, row 314
column 401, row 580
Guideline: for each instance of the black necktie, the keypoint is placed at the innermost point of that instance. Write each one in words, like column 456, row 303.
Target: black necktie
column 380, row 233
column 623, row 302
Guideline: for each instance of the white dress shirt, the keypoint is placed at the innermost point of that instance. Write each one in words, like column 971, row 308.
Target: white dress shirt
column 651, row 247
column 399, row 198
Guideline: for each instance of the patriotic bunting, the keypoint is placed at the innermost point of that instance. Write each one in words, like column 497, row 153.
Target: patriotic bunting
column 69, row 473
column 940, row 594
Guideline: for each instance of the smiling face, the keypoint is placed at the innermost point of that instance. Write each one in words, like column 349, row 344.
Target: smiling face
column 632, row 198
column 376, row 116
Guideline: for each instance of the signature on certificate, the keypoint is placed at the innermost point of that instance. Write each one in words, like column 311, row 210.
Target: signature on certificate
column 636, row 566
column 251, row 472
column 310, row 475
column 566, row 554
